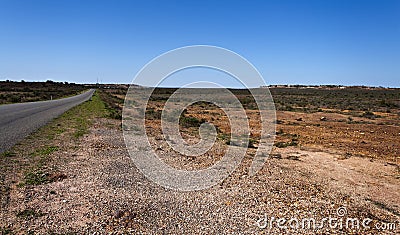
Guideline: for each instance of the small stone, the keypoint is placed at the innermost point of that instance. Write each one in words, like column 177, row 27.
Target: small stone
column 118, row 214
column 293, row 157
column 276, row 155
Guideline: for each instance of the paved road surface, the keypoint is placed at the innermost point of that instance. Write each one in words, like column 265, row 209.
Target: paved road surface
column 19, row 120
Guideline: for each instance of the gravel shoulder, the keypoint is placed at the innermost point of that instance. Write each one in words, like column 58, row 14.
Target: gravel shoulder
column 103, row 192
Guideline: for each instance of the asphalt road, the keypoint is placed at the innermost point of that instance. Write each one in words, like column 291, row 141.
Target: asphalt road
column 19, row 120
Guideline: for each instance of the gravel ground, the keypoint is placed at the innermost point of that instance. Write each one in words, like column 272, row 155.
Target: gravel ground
column 104, row 193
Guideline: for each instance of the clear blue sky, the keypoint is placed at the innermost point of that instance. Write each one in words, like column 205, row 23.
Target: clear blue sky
column 290, row 42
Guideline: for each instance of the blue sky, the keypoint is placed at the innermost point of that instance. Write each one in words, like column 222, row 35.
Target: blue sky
column 290, row 42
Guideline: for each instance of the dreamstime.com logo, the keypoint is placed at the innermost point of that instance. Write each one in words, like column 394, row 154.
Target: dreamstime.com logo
column 151, row 75
column 339, row 221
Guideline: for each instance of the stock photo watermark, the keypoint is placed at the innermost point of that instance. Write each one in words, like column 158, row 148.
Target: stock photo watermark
column 150, row 77
column 339, row 221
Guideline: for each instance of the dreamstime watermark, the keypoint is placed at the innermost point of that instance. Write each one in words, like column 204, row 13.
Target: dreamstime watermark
column 151, row 75
column 337, row 222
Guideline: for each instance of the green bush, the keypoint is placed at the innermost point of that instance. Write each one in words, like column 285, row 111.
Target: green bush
column 190, row 121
